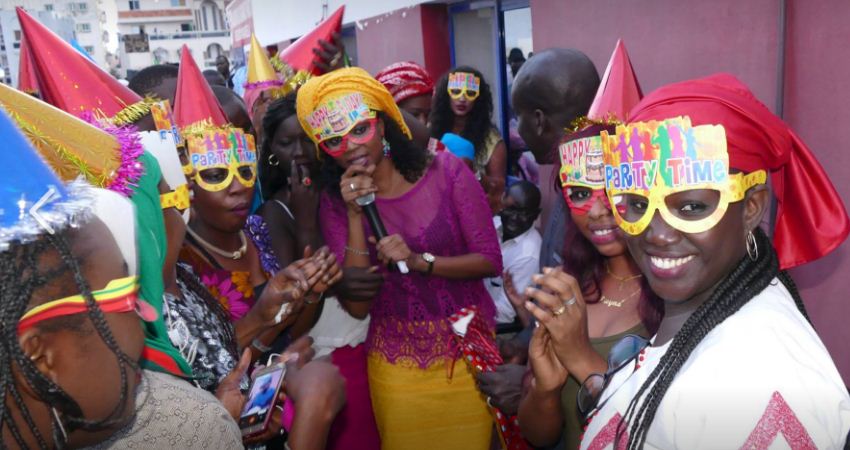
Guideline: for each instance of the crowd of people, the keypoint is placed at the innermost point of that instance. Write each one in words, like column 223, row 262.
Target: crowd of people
column 332, row 259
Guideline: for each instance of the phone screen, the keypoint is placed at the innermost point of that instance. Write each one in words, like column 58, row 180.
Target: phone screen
column 261, row 399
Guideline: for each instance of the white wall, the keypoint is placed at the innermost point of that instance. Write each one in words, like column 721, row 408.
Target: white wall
column 475, row 46
column 297, row 17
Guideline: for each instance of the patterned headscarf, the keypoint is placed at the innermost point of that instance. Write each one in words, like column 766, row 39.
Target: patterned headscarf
column 406, row 79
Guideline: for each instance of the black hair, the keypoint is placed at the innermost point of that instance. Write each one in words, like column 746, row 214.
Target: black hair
column 479, row 121
column 745, row 281
column 273, row 178
column 21, row 275
column 410, row 160
column 516, row 55
column 147, row 79
column 530, row 192
column 214, row 77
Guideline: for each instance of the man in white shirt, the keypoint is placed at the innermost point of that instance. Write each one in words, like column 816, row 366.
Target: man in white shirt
column 520, row 244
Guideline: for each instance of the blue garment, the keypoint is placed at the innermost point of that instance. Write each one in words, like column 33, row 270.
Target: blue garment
column 459, row 146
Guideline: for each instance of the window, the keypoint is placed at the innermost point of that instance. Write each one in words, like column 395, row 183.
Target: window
column 89, row 49
column 17, row 35
column 83, row 28
column 48, row 7
column 176, row 3
column 185, row 27
column 134, row 5
column 82, row 7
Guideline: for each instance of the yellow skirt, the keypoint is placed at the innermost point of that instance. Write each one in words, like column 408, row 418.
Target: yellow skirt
column 422, row 409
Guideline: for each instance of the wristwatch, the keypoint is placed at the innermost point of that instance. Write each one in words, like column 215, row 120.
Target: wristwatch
column 429, row 258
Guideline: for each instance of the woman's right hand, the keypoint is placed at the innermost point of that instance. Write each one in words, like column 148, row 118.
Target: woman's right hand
column 287, row 287
column 356, row 182
column 549, row 374
column 303, row 196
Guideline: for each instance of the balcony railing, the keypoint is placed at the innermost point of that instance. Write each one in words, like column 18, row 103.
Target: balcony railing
column 189, row 35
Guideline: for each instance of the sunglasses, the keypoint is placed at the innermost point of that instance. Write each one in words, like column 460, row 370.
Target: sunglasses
column 359, row 134
column 119, row 296
column 622, row 353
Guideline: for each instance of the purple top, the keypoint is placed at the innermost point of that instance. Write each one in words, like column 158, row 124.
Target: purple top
column 445, row 213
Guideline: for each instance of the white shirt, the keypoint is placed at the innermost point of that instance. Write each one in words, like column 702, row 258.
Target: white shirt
column 761, row 379
column 521, row 256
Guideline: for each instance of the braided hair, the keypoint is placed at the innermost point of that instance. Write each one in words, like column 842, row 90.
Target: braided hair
column 20, row 277
column 273, row 178
column 747, row 279
column 410, row 160
column 479, row 121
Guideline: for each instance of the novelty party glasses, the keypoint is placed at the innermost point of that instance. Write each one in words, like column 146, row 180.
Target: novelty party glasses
column 676, row 169
column 118, row 296
column 219, row 156
column 332, row 124
column 360, row 134
column 177, row 199
column 582, row 171
column 463, row 84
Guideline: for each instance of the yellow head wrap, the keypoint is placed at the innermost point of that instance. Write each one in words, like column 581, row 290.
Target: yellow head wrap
column 352, row 80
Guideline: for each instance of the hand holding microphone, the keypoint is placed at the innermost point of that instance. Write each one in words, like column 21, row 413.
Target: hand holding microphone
column 394, row 248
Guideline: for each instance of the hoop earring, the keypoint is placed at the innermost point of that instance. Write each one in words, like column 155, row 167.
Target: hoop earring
column 273, row 160
column 387, row 150
column 752, row 247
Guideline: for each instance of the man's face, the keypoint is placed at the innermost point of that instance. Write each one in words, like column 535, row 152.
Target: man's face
column 222, row 65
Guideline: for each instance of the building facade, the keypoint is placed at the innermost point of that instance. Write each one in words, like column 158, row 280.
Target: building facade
column 88, row 23
column 153, row 32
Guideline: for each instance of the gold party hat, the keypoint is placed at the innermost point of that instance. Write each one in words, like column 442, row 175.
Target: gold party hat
column 70, row 145
column 260, row 69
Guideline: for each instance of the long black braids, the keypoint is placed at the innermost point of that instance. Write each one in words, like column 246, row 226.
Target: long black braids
column 746, row 280
column 19, row 279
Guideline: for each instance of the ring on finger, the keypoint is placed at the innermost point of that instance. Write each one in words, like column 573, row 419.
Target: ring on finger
column 353, row 187
column 571, row 301
column 559, row 311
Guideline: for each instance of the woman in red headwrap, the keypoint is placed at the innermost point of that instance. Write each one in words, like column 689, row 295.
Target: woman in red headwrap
column 735, row 362
column 410, row 86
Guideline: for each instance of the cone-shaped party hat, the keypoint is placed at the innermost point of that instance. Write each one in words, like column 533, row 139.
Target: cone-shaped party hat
column 195, row 102
column 72, row 82
column 27, row 79
column 72, row 146
column 619, row 90
column 261, row 74
column 299, row 55
column 33, row 200
column 211, row 141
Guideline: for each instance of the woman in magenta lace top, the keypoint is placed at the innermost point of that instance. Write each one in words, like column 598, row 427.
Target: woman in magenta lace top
column 439, row 223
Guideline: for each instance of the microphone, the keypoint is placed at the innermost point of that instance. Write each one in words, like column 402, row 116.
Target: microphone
column 367, row 203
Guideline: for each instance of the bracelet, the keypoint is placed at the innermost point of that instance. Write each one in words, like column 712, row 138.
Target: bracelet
column 357, row 252
column 262, row 348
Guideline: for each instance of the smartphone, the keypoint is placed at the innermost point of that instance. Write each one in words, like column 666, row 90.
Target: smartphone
column 264, row 391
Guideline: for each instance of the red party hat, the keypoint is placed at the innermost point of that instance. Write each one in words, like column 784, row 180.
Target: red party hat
column 27, row 78
column 70, row 81
column 299, row 55
column 195, row 102
column 619, row 90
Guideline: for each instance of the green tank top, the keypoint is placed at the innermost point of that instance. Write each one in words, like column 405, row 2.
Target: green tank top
column 573, row 422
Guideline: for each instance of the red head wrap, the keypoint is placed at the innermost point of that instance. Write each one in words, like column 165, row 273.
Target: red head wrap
column 405, row 80
column 811, row 220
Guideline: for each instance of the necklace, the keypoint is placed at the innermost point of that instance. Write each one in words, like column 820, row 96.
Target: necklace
column 622, row 280
column 611, row 303
column 243, row 249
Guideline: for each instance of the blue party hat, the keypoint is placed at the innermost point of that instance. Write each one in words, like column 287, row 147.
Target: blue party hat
column 33, row 201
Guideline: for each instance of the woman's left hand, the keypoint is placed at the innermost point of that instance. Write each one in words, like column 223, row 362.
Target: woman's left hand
column 229, row 392
column 330, row 270
column 561, row 309
column 392, row 249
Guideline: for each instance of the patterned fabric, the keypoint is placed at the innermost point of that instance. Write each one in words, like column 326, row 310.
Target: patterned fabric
column 171, row 413
column 405, row 80
column 409, row 316
column 206, row 341
column 233, row 289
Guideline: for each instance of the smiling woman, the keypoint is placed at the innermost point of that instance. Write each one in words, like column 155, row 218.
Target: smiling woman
column 735, row 330
column 439, row 223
